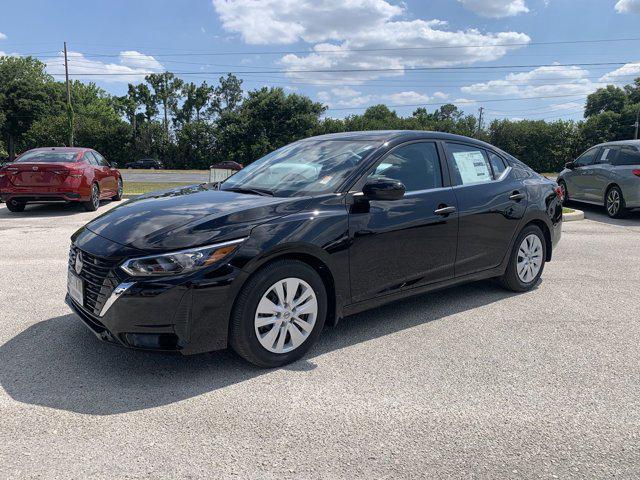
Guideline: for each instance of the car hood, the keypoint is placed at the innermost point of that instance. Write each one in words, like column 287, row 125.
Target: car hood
column 189, row 216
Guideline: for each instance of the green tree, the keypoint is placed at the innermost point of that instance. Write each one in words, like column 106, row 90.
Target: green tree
column 227, row 96
column 608, row 99
column 167, row 91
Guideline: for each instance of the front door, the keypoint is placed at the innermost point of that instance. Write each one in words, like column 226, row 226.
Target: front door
column 404, row 243
column 578, row 181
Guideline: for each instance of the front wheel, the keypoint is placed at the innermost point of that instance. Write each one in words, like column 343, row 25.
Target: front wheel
column 94, row 202
column 614, row 203
column 526, row 262
column 279, row 314
column 15, row 206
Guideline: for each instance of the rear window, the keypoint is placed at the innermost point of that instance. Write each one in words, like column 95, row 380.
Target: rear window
column 48, row 157
column 628, row 156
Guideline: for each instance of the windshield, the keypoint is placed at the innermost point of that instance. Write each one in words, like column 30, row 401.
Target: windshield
column 302, row 168
column 48, row 157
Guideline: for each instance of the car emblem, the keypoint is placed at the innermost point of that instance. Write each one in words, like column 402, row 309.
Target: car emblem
column 79, row 264
column 35, row 169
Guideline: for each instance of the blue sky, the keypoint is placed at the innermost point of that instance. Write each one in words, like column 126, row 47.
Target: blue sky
column 385, row 51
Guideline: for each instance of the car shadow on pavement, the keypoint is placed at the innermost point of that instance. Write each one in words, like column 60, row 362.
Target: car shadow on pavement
column 50, row 210
column 599, row 214
column 58, row 363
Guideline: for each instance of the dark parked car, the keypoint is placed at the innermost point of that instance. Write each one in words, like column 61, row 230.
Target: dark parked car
column 607, row 174
column 59, row 174
column 150, row 163
column 227, row 164
column 312, row 232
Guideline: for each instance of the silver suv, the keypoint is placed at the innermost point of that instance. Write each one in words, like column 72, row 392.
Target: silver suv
column 607, row 174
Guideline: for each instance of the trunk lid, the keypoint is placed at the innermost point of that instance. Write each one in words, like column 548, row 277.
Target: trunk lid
column 39, row 174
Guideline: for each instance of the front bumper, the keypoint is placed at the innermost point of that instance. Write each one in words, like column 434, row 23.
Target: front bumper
column 188, row 314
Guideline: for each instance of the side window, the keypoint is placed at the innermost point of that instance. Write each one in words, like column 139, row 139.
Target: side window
column 90, row 159
column 497, row 164
column 629, row 155
column 416, row 165
column 587, row 158
column 608, row 155
column 101, row 160
column 469, row 164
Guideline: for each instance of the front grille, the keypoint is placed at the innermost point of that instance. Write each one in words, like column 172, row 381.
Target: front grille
column 98, row 278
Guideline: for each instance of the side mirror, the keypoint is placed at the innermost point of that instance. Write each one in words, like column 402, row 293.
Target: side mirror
column 570, row 165
column 114, row 165
column 383, row 189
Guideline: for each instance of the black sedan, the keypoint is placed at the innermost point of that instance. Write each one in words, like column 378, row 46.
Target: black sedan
column 150, row 163
column 310, row 233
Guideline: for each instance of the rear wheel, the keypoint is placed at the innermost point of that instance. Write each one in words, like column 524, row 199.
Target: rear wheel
column 279, row 314
column 527, row 260
column 614, row 203
column 118, row 196
column 94, row 202
column 16, row 206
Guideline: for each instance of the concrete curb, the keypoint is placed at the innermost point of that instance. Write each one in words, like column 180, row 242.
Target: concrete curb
column 574, row 216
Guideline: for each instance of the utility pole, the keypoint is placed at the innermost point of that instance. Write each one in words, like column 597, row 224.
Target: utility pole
column 637, row 123
column 481, row 111
column 69, row 107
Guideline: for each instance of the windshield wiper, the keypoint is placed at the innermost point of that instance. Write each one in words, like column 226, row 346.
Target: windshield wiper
column 255, row 191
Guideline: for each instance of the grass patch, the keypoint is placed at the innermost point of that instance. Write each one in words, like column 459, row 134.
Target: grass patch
column 138, row 188
column 567, row 210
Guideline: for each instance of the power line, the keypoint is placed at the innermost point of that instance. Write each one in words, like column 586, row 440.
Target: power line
column 364, row 70
column 340, row 50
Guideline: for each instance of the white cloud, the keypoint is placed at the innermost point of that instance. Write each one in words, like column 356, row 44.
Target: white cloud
column 441, row 95
column 628, row 6
column 359, row 35
column 495, row 8
column 2, row 36
column 132, row 65
column 344, row 97
column 542, row 81
column 622, row 75
column 287, row 21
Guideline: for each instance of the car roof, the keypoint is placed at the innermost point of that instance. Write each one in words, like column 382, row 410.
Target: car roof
column 60, row 149
column 635, row 143
column 383, row 136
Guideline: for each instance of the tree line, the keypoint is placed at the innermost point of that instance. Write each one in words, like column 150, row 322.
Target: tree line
column 192, row 126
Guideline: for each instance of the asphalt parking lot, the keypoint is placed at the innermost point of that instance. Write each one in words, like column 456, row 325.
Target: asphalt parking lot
column 470, row 382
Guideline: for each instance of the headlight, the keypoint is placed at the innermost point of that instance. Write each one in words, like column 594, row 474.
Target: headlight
column 184, row 261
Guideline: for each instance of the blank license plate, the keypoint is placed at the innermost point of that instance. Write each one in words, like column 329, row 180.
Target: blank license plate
column 74, row 287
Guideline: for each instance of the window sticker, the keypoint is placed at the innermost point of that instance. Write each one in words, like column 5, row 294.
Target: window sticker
column 472, row 167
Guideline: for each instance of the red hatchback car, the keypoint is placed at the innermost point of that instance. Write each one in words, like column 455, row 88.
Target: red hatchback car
column 59, row 174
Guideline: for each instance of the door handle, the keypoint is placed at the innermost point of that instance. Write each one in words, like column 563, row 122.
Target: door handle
column 517, row 196
column 445, row 210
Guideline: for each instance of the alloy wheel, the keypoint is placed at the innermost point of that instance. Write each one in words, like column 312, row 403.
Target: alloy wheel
column 613, row 202
column 286, row 315
column 95, row 197
column 529, row 258
column 120, row 188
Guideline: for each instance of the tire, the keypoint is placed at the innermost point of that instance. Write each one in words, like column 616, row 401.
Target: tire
column 118, row 196
column 614, row 203
column 527, row 278
column 248, row 339
column 16, row 206
column 565, row 192
column 94, row 202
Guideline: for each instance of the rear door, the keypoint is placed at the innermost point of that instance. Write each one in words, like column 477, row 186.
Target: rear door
column 110, row 176
column 402, row 244
column 492, row 199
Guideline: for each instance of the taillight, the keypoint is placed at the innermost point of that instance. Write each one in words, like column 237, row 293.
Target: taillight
column 636, row 172
column 76, row 173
